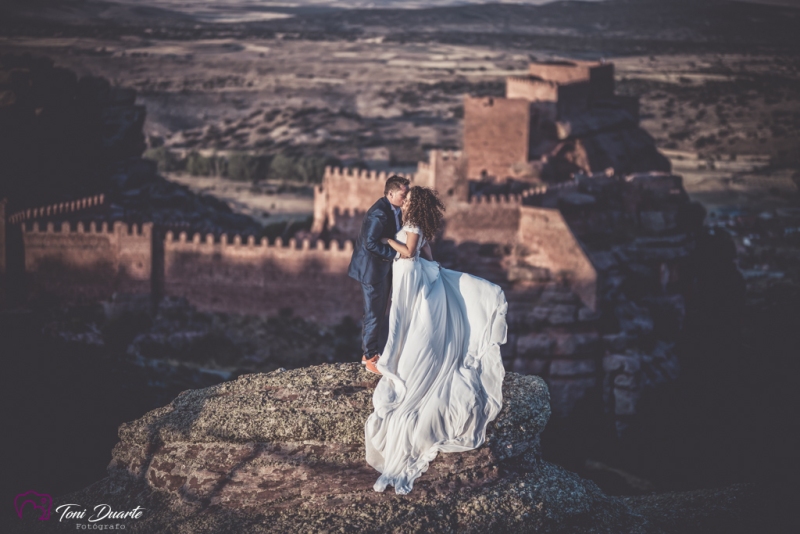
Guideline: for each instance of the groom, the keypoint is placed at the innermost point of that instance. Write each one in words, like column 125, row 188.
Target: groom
column 371, row 265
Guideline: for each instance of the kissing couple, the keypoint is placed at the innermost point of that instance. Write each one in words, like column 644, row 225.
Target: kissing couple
column 438, row 353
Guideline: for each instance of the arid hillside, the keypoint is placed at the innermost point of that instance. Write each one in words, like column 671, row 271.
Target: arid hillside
column 718, row 78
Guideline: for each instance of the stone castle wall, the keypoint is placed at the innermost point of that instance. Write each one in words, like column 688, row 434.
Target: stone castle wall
column 263, row 278
column 552, row 100
column 345, row 194
column 546, row 241
column 573, row 98
column 80, row 265
column 601, row 80
column 560, row 71
column 553, row 333
column 599, row 75
column 496, row 133
column 558, row 339
column 533, row 90
column 557, row 100
column 56, row 209
column 478, row 220
column 86, row 264
column 445, row 171
column 483, row 220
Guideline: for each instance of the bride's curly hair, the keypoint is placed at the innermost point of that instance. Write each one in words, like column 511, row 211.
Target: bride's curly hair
column 424, row 210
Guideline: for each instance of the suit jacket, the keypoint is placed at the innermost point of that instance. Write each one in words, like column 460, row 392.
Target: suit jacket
column 372, row 260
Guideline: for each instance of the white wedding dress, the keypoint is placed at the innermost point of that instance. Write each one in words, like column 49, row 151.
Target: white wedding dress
column 442, row 372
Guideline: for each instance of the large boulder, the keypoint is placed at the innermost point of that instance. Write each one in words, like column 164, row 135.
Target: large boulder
column 284, row 452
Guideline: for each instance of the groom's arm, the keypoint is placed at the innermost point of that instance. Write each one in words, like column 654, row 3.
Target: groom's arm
column 374, row 224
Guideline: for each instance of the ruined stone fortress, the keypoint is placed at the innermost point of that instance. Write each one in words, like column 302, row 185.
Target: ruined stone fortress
column 502, row 221
column 563, row 117
column 581, row 166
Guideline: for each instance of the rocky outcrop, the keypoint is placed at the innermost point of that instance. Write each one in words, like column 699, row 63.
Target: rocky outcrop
column 284, row 452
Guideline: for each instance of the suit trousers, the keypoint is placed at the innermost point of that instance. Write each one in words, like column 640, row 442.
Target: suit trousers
column 375, row 326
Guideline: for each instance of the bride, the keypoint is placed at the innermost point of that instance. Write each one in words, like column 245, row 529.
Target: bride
column 441, row 369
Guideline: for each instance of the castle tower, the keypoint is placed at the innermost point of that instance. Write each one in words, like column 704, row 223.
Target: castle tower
column 445, row 171
column 598, row 74
column 563, row 88
column 549, row 111
column 497, row 135
column 343, row 197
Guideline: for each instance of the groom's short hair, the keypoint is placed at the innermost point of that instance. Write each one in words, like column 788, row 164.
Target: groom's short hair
column 395, row 182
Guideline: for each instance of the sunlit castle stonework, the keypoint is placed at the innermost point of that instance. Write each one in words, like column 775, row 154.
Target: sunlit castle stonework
column 564, row 116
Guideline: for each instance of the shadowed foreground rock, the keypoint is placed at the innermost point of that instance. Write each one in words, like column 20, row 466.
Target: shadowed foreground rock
column 284, row 452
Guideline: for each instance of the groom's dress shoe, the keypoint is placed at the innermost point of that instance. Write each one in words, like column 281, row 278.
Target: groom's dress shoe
column 370, row 365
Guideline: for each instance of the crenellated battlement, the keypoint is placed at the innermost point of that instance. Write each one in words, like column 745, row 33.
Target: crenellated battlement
column 496, row 200
column 345, row 194
column 245, row 274
column 541, row 190
column 249, row 242
column 347, row 173
column 115, row 227
column 535, row 191
column 84, row 262
column 56, row 209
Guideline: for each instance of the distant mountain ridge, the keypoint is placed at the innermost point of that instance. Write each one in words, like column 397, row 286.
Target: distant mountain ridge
column 262, row 5
column 605, row 28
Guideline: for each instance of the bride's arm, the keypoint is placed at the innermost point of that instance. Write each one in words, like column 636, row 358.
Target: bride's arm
column 407, row 248
column 426, row 253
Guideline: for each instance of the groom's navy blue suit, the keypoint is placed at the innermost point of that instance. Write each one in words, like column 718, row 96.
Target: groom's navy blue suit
column 371, row 265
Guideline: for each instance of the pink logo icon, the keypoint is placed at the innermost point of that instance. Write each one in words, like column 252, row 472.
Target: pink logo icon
column 42, row 501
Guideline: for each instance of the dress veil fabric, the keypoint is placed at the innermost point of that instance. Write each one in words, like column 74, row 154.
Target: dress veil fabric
column 442, row 370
